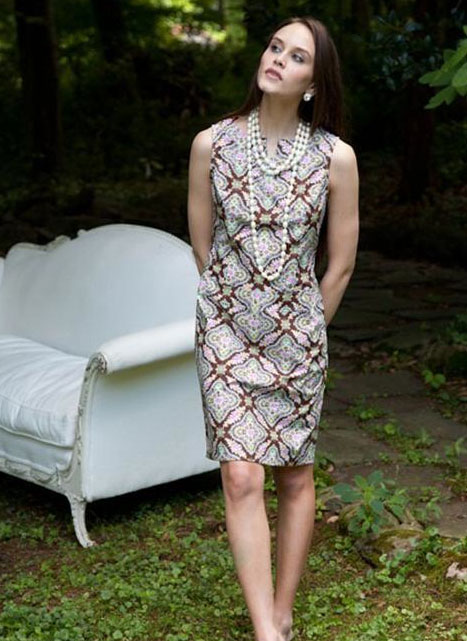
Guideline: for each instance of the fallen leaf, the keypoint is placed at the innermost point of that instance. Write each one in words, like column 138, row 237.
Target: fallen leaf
column 455, row 572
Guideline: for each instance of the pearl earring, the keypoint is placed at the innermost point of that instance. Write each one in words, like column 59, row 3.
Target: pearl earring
column 307, row 96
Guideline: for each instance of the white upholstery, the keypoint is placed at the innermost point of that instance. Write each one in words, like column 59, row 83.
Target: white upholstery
column 99, row 286
column 32, row 459
column 98, row 387
column 148, row 345
column 30, row 375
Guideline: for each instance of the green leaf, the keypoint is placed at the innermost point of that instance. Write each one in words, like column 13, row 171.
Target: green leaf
column 460, row 77
column 354, row 526
column 377, row 506
column 375, row 528
column 346, row 492
column 390, row 429
column 360, row 481
column 445, row 95
column 457, row 56
column 447, row 54
column 397, row 510
column 376, row 477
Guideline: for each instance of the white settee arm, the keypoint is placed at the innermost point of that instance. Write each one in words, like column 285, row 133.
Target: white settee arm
column 146, row 346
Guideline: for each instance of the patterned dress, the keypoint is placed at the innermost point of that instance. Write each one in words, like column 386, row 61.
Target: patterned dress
column 260, row 345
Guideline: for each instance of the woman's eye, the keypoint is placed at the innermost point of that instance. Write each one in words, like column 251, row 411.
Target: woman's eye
column 296, row 54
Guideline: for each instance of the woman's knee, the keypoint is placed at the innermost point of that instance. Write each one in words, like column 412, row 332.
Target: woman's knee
column 294, row 480
column 242, row 478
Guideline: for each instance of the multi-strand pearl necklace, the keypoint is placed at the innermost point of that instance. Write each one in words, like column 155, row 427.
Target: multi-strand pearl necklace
column 272, row 167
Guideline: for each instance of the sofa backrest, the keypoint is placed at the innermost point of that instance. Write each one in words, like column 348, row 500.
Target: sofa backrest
column 74, row 294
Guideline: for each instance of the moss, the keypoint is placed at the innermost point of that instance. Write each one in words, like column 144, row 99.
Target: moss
column 388, row 542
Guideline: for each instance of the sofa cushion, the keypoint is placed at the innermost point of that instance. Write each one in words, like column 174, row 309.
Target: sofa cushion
column 39, row 390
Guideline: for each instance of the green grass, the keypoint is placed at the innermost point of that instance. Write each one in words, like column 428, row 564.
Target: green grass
column 163, row 571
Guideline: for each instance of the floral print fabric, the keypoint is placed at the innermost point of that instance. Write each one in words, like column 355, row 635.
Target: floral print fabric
column 260, row 345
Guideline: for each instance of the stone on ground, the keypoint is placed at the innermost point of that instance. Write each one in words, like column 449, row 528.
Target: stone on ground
column 399, row 383
column 350, row 446
column 392, row 306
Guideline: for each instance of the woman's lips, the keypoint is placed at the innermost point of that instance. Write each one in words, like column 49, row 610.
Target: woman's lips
column 273, row 74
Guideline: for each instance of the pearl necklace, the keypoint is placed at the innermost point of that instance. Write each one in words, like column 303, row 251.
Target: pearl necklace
column 272, row 167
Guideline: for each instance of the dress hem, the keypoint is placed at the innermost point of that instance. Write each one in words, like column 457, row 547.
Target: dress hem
column 251, row 460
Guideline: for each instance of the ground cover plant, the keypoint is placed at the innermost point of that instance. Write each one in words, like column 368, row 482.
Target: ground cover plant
column 163, row 571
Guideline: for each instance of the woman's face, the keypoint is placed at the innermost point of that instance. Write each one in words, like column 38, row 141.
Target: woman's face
column 291, row 54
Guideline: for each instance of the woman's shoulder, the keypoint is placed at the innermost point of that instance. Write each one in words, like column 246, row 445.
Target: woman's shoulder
column 212, row 132
column 336, row 141
column 327, row 135
column 204, row 141
column 334, row 146
column 342, row 160
column 201, row 143
column 227, row 123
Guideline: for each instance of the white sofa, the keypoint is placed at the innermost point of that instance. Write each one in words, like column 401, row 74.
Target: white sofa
column 98, row 388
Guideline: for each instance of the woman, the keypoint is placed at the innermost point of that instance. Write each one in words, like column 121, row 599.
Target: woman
column 259, row 183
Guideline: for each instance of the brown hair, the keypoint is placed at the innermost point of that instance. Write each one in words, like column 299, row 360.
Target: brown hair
column 326, row 107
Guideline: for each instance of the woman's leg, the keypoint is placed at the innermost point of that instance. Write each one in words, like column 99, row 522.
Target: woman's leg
column 295, row 520
column 249, row 537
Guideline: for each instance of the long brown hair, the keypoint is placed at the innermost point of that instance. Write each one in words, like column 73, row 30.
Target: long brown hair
column 326, row 107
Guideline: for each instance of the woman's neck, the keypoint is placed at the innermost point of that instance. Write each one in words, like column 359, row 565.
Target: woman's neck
column 278, row 118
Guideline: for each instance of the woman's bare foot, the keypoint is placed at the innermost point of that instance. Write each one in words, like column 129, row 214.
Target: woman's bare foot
column 284, row 627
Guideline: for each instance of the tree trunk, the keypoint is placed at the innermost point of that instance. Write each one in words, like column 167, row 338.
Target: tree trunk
column 418, row 136
column 419, row 123
column 40, row 84
column 121, row 74
column 111, row 28
column 361, row 16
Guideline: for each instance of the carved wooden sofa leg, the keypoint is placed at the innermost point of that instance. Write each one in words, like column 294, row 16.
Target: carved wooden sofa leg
column 78, row 512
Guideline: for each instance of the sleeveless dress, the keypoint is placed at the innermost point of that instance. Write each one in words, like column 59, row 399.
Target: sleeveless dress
column 260, row 345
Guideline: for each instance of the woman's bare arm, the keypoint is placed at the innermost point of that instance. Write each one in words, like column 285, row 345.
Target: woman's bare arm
column 342, row 227
column 200, row 204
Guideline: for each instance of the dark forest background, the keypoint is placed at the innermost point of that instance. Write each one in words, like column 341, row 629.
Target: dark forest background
column 100, row 100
